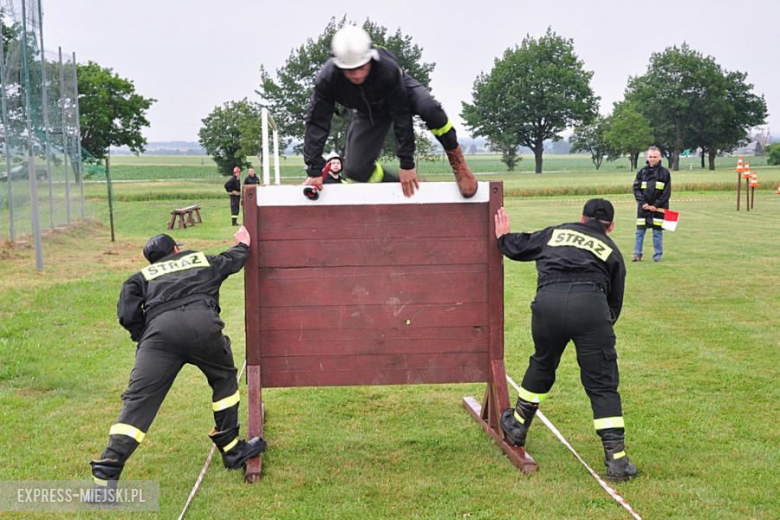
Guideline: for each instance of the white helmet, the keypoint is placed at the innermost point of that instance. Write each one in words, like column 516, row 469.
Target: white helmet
column 352, row 47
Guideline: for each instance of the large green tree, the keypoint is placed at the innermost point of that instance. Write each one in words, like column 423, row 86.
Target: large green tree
column 287, row 95
column 111, row 112
column 533, row 93
column 629, row 132
column 231, row 134
column 728, row 115
column 592, row 138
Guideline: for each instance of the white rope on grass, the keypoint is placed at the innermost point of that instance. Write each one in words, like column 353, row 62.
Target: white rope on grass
column 614, row 494
column 205, row 465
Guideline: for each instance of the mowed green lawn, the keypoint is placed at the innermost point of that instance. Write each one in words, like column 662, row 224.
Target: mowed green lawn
column 698, row 351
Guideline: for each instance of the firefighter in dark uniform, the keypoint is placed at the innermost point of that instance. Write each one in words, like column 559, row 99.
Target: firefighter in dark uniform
column 233, row 186
column 368, row 81
column 581, row 277
column 652, row 189
column 333, row 170
column 251, row 178
column 171, row 308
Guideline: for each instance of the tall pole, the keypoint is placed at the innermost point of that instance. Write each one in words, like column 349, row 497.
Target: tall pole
column 108, row 186
column 64, row 134
column 45, row 108
column 264, row 131
column 79, row 170
column 6, row 132
column 31, row 173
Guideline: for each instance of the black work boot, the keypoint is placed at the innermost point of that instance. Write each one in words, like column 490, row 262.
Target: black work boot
column 619, row 468
column 236, row 452
column 515, row 422
column 106, row 473
column 235, row 221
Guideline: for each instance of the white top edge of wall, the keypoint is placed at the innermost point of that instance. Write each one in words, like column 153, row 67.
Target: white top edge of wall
column 364, row 194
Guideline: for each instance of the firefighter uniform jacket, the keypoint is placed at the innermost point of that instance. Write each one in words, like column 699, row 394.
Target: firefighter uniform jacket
column 233, row 184
column 575, row 252
column 653, row 185
column 383, row 93
column 175, row 280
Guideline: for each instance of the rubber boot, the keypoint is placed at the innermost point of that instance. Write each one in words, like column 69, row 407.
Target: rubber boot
column 516, row 422
column 236, row 452
column 235, row 221
column 619, row 468
column 467, row 183
column 106, row 473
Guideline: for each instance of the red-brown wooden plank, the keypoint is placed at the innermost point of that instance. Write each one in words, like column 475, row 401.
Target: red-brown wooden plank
column 313, row 342
column 372, row 251
column 343, row 317
column 495, row 280
column 396, row 285
column 395, row 220
column 376, row 376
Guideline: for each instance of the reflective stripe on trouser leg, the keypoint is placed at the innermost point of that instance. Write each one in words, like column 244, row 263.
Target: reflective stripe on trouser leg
column 227, row 402
column 378, row 175
column 608, row 422
column 531, row 397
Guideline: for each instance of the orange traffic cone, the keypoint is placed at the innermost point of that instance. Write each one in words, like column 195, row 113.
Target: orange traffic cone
column 739, row 165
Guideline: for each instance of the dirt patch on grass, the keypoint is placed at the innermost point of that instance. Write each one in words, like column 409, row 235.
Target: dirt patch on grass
column 81, row 250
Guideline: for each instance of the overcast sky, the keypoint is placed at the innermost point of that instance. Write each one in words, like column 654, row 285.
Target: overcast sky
column 192, row 55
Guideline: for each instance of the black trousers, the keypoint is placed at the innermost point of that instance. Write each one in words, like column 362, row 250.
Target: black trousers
column 576, row 312
column 235, row 204
column 189, row 334
column 366, row 134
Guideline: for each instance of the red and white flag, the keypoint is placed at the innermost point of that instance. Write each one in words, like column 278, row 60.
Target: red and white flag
column 670, row 220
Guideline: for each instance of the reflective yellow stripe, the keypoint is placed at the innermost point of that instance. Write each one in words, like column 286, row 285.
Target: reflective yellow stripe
column 224, row 404
column 519, row 417
column 378, row 175
column 443, row 130
column 619, row 455
column 531, row 397
column 659, row 185
column 658, row 221
column 608, row 422
column 644, row 185
column 100, row 482
column 230, row 445
column 126, row 429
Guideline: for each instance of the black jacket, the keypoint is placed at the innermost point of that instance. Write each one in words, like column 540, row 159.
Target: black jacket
column 383, row 94
column 575, row 252
column 652, row 185
column 177, row 278
column 233, row 184
column 251, row 179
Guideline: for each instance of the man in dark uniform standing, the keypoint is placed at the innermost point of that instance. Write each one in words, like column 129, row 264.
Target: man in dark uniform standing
column 369, row 81
column 171, row 308
column 652, row 189
column 581, row 277
column 233, row 186
column 251, row 178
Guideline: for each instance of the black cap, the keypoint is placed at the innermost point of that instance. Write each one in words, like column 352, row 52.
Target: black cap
column 158, row 247
column 600, row 209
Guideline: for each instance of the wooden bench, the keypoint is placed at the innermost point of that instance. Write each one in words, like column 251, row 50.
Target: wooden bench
column 366, row 287
column 187, row 212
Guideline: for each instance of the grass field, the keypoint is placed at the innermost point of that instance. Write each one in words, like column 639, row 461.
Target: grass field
column 699, row 358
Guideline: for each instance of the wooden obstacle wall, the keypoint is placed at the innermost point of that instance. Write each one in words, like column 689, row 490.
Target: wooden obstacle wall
column 366, row 287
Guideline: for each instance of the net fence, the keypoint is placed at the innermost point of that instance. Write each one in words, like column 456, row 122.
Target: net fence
column 41, row 167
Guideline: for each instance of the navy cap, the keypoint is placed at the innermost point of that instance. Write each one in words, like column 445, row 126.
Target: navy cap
column 158, row 247
column 600, row 209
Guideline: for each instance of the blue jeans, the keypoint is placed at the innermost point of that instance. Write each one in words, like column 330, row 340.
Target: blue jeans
column 658, row 242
